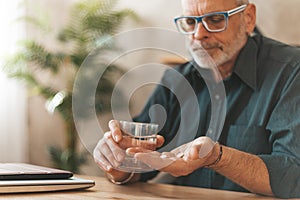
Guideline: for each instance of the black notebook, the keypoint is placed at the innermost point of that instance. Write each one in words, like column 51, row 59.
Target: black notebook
column 21, row 177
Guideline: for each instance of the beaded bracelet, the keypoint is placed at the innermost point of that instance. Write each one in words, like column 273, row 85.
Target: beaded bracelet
column 110, row 178
column 218, row 159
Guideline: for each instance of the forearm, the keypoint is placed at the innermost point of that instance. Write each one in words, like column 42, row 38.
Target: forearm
column 245, row 169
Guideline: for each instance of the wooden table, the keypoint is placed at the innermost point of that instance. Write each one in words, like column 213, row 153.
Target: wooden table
column 138, row 191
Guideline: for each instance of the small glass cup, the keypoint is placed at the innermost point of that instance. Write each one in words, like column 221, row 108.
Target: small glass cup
column 141, row 135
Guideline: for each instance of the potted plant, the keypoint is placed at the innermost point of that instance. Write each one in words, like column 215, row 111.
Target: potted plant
column 90, row 21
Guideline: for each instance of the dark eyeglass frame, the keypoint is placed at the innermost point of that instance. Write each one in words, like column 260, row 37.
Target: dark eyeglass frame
column 199, row 19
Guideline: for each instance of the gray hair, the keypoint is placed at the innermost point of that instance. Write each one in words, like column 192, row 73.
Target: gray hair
column 242, row 2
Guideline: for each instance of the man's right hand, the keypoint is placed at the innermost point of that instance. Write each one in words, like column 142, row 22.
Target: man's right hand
column 111, row 149
column 109, row 152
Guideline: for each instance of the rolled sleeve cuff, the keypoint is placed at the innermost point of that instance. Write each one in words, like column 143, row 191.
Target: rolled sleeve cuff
column 284, row 175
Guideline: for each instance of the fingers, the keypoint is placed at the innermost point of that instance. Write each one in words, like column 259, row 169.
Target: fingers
column 107, row 153
column 166, row 161
column 114, row 151
column 154, row 159
column 101, row 160
column 151, row 144
column 118, row 136
column 115, row 130
column 134, row 150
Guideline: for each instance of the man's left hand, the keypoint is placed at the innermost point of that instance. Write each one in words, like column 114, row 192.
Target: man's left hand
column 180, row 161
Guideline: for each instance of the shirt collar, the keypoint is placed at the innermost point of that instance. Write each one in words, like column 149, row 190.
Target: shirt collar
column 246, row 64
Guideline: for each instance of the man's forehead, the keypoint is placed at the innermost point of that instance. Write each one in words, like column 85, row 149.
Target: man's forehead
column 206, row 6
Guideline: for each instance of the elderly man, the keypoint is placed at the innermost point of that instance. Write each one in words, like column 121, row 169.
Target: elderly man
column 258, row 150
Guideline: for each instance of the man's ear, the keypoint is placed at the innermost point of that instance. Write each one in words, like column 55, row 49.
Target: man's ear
column 250, row 18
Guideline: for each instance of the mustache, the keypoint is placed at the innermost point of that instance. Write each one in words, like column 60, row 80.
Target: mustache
column 195, row 45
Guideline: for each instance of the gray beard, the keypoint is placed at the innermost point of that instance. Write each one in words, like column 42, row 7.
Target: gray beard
column 204, row 60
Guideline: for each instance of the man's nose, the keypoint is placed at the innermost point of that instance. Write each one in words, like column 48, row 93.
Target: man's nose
column 201, row 32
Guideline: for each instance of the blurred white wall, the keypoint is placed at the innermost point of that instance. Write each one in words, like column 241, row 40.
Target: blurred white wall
column 279, row 19
column 13, row 104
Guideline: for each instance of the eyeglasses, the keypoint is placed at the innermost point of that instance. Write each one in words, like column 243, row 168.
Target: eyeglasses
column 213, row 22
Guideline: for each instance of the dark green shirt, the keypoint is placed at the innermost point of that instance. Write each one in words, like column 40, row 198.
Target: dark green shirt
column 262, row 116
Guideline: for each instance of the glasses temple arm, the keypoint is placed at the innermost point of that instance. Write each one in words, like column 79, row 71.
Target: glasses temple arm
column 236, row 10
